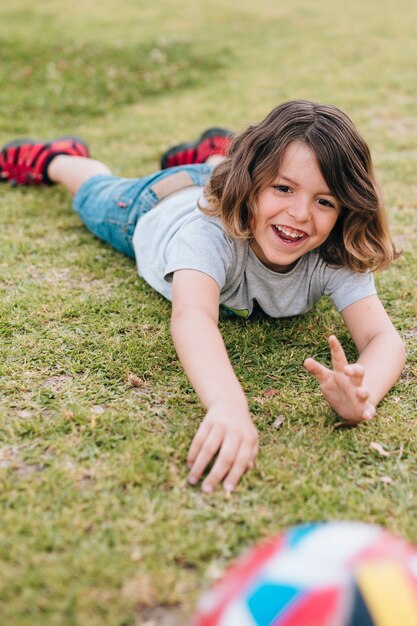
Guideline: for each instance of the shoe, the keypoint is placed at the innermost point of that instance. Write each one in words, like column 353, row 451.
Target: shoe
column 212, row 141
column 25, row 162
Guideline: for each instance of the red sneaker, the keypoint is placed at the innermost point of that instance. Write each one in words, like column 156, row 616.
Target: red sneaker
column 212, row 141
column 25, row 162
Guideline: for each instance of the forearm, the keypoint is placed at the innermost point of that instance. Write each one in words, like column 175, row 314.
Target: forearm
column 383, row 359
column 226, row 436
column 203, row 355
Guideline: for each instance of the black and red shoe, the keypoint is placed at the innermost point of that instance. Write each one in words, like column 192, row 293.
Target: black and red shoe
column 212, row 141
column 25, row 162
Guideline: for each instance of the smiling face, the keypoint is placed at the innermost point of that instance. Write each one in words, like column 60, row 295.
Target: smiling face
column 295, row 213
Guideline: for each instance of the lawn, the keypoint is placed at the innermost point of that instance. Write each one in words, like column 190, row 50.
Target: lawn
column 98, row 524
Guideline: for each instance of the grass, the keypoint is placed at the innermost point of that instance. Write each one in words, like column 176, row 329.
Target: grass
column 98, row 524
column 82, row 79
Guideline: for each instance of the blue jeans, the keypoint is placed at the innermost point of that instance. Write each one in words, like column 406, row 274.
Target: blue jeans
column 110, row 206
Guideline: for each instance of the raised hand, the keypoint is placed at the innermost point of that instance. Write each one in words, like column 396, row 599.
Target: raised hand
column 343, row 386
column 232, row 436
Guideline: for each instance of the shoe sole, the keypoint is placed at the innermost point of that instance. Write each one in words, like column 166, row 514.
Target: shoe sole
column 21, row 142
column 210, row 132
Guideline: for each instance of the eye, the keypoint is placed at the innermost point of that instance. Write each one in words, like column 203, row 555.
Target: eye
column 326, row 203
column 282, row 188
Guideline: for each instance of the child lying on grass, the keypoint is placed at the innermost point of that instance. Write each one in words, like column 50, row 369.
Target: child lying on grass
column 290, row 211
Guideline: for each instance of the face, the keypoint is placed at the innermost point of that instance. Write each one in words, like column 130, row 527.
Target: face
column 296, row 213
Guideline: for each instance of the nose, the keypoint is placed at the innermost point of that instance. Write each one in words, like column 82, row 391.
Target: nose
column 300, row 210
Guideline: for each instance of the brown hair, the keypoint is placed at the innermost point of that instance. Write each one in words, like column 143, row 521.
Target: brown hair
column 360, row 238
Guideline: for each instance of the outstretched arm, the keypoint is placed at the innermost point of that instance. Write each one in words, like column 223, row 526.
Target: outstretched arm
column 354, row 390
column 227, row 429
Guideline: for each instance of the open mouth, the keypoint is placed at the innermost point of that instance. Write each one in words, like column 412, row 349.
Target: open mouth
column 289, row 235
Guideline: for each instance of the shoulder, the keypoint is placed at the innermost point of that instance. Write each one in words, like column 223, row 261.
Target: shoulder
column 209, row 231
column 202, row 244
column 317, row 266
column 345, row 286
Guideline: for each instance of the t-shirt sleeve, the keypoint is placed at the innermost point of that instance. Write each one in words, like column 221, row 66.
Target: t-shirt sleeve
column 344, row 287
column 202, row 245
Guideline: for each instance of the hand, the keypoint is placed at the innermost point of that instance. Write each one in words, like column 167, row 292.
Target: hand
column 231, row 435
column 343, row 386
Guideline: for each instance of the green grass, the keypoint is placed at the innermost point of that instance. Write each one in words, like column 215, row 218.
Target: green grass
column 79, row 79
column 98, row 523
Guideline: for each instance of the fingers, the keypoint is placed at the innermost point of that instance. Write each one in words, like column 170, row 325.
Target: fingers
column 343, row 386
column 339, row 364
column 255, row 449
column 356, row 372
column 319, row 371
column 230, row 465
column 235, row 455
column 198, row 441
column 362, row 394
column 222, row 465
column 239, row 467
column 369, row 412
column 206, row 451
column 339, row 360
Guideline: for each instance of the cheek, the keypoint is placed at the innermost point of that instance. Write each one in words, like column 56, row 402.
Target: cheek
column 327, row 224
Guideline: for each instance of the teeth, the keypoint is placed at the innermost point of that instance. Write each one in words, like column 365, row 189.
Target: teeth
column 287, row 232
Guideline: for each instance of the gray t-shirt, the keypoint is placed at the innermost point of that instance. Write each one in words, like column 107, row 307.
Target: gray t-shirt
column 176, row 235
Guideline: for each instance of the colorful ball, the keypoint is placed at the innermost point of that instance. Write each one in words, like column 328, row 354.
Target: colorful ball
column 326, row 574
